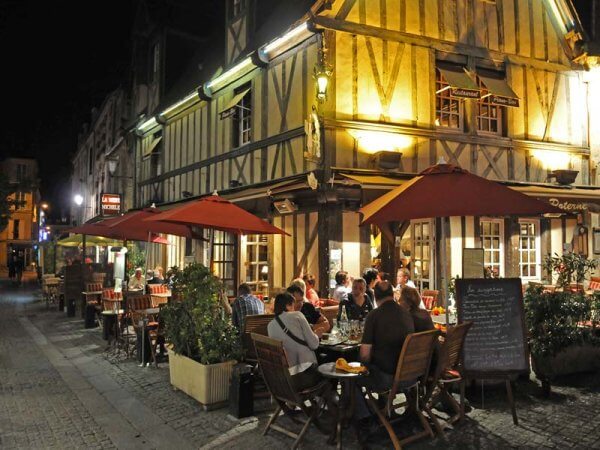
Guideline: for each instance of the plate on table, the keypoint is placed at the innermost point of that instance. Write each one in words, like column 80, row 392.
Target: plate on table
column 332, row 341
column 353, row 341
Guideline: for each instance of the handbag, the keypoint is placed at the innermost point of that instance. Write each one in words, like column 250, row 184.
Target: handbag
column 291, row 335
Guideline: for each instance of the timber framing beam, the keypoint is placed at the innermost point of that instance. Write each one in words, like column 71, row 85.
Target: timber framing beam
column 435, row 44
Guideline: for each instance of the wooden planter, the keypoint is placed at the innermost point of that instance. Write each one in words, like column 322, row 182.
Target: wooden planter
column 209, row 384
column 573, row 359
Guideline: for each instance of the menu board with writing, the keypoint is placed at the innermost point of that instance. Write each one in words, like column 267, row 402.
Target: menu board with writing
column 496, row 343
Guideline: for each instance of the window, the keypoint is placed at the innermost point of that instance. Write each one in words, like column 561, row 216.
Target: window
column 224, row 260
column 155, row 162
column 21, row 172
column 15, row 230
column 19, row 200
column 491, row 232
column 489, row 116
column 257, row 266
column 529, row 249
column 242, row 119
column 448, row 110
column 422, row 254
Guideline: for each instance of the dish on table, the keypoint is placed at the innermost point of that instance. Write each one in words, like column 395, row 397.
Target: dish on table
column 332, row 340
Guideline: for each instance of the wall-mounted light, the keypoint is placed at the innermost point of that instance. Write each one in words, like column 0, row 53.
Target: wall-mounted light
column 386, row 160
column 292, row 38
column 323, row 71
column 285, row 206
column 112, row 164
column 376, row 141
column 147, row 125
column 78, row 199
column 237, row 71
column 553, row 160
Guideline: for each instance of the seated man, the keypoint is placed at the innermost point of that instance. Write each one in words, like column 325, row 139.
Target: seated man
column 244, row 305
column 403, row 280
column 317, row 321
column 137, row 281
column 386, row 328
column 341, row 290
column 299, row 341
column 358, row 304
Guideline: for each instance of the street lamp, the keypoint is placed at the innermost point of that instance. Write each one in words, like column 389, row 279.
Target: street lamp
column 44, row 205
column 78, row 199
column 322, row 72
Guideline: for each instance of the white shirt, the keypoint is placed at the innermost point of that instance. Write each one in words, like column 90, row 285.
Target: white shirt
column 341, row 292
column 134, row 283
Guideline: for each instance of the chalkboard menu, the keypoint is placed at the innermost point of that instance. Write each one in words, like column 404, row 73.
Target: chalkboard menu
column 496, row 343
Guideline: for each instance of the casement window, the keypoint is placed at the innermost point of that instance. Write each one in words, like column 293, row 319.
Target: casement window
column 239, row 109
column 256, row 261
column 422, row 253
column 224, row 260
column 529, row 249
column 496, row 97
column 491, row 232
column 489, row 115
column 448, row 109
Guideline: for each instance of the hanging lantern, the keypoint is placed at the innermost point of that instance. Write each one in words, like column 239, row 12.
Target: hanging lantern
column 323, row 72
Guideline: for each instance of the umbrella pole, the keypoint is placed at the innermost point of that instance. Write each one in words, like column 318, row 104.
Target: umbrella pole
column 443, row 256
column 211, row 241
column 146, row 257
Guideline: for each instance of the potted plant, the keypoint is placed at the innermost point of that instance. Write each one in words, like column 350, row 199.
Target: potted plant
column 562, row 332
column 204, row 344
column 569, row 268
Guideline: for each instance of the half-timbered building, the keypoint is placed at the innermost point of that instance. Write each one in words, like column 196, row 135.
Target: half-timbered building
column 318, row 107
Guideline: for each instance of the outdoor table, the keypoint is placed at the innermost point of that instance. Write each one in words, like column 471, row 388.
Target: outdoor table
column 161, row 297
column 344, row 349
column 111, row 318
column 85, row 299
column 345, row 408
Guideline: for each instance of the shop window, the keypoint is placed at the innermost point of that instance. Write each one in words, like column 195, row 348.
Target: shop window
column 448, row 109
column 224, row 260
column 242, row 118
column 257, row 265
column 422, row 254
column 489, row 115
column 491, row 233
column 529, row 250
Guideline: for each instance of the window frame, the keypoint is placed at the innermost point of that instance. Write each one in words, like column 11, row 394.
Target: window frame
column 485, row 100
column 420, row 282
column 242, row 119
column 538, row 254
column 15, row 229
column 500, row 250
column 256, row 264
column 442, row 92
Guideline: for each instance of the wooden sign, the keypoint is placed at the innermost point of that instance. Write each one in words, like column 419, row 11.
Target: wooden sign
column 504, row 101
column 496, row 343
column 465, row 93
column 472, row 264
column 111, row 204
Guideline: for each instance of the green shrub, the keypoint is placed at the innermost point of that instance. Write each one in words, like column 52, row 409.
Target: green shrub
column 197, row 325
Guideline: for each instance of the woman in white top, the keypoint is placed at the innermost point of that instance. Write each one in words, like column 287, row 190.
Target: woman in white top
column 299, row 341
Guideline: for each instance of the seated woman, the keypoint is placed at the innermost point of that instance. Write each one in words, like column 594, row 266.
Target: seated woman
column 299, row 341
column 358, row 304
column 311, row 294
column 411, row 300
column 317, row 321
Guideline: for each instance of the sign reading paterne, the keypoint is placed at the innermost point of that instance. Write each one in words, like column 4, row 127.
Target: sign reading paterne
column 111, row 204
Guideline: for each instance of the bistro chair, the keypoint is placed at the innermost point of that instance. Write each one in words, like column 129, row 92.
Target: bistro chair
column 430, row 298
column 448, row 372
column 275, row 370
column 256, row 324
column 413, row 367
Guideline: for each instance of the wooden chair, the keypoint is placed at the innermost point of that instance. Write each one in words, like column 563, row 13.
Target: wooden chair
column 98, row 277
column 433, row 294
column 139, row 302
column 256, row 324
column 413, row 367
column 275, row 370
column 330, row 312
column 447, row 373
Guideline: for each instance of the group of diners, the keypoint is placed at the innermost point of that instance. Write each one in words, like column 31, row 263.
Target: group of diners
column 390, row 313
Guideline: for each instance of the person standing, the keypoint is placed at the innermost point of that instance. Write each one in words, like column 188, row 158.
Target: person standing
column 19, row 267
column 244, row 305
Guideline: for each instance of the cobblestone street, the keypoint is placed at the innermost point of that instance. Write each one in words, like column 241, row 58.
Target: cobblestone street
column 59, row 389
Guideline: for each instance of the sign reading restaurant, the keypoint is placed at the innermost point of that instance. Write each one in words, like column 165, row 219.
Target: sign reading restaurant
column 465, row 93
column 111, row 204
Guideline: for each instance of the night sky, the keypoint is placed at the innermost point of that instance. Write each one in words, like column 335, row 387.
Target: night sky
column 60, row 58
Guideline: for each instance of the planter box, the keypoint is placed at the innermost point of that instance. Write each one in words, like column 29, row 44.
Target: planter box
column 209, row 384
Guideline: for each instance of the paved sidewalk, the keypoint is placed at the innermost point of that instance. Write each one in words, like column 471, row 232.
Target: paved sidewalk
column 59, row 389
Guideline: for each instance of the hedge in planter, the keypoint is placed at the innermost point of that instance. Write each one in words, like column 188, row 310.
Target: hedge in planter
column 198, row 329
column 558, row 344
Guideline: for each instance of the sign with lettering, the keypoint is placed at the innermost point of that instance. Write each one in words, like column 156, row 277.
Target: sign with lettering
column 504, row 101
column 567, row 205
column 465, row 93
column 496, row 343
column 111, row 204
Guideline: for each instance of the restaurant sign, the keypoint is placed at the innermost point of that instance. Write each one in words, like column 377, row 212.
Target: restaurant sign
column 111, row 204
column 465, row 93
column 568, row 206
column 504, row 101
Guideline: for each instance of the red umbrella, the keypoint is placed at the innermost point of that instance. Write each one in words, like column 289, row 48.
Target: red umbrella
column 133, row 223
column 445, row 190
column 216, row 213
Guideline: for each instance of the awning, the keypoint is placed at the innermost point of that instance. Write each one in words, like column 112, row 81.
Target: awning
column 230, row 108
column 499, row 90
column 374, row 181
column 460, row 83
column 570, row 200
column 151, row 147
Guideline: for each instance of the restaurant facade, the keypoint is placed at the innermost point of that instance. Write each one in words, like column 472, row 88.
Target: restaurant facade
column 314, row 108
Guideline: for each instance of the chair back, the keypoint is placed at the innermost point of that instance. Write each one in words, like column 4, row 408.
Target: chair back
column 98, row 277
column 430, row 298
column 415, row 358
column 450, row 353
column 330, row 312
column 158, row 288
column 139, row 302
column 111, row 305
column 256, row 324
column 93, row 287
column 275, row 369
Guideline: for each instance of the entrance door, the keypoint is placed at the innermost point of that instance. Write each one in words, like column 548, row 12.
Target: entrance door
column 422, row 253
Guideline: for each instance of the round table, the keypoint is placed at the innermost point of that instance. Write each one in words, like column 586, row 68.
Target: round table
column 111, row 318
column 345, row 408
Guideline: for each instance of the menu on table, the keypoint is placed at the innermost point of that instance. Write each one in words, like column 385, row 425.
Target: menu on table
column 496, row 343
